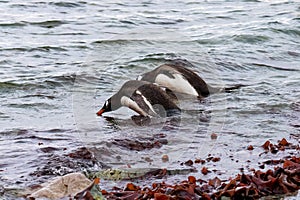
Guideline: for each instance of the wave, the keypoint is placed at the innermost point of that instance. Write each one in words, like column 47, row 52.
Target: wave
column 12, row 24
column 274, row 67
column 67, row 4
column 47, row 23
column 251, row 39
column 39, row 83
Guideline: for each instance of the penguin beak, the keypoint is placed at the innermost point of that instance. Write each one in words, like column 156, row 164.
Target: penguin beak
column 102, row 110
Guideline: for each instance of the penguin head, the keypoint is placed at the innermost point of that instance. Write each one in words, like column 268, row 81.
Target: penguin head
column 106, row 107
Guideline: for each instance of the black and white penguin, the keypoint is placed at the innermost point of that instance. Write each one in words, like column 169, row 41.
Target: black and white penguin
column 147, row 99
column 177, row 77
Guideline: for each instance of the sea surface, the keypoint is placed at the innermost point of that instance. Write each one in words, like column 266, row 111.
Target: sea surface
column 60, row 60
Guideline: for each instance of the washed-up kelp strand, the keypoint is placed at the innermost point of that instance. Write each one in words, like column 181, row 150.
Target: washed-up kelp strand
column 137, row 173
column 281, row 180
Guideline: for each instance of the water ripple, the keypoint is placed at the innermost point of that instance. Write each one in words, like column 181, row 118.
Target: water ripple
column 12, row 24
column 47, row 23
column 66, row 4
column 251, row 39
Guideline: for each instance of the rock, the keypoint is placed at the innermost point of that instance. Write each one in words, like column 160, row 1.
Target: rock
column 213, row 136
column 165, row 158
column 60, row 187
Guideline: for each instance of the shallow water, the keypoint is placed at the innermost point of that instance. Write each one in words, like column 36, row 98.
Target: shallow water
column 61, row 60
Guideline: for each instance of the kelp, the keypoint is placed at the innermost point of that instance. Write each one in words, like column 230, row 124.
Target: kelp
column 135, row 173
column 282, row 179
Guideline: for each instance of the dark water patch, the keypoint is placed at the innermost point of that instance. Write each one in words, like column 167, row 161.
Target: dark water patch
column 40, row 138
column 5, row 62
column 127, row 22
column 290, row 32
column 48, row 23
column 21, row 49
column 117, row 41
column 156, row 58
column 4, row 116
column 283, row 13
column 27, row 6
column 251, row 39
column 295, row 106
column 67, row 4
column 14, row 132
column 282, row 68
column 89, row 81
column 6, row 87
column 281, row 3
column 212, row 41
column 165, row 56
column 129, row 66
column 229, row 66
column 55, row 130
column 236, row 11
column 117, row 25
column 277, row 23
column 294, row 54
column 273, row 108
column 160, row 21
column 134, row 4
column 18, row 5
column 43, row 96
column 60, row 81
column 36, row 106
column 47, row 49
column 221, row 17
column 66, row 33
column 12, row 24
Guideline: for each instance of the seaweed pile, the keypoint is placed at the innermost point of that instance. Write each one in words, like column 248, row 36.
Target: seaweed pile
column 284, row 178
column 279, row 174
column 281, row 180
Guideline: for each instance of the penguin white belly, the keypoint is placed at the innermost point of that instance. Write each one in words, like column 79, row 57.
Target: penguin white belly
column 126, row 101
column 177, row 84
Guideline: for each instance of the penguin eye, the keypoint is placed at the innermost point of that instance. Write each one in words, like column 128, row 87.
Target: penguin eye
column 107, row 105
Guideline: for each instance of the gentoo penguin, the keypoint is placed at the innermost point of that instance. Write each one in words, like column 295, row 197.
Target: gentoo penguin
column 175, row 76
column 143, row 97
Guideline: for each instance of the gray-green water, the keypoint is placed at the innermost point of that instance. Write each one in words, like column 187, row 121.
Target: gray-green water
column 60, row 60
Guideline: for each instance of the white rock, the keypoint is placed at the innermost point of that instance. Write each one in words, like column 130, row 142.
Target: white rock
column 60, row 187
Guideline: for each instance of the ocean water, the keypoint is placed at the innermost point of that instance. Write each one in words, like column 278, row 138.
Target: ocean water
column 60, row 60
